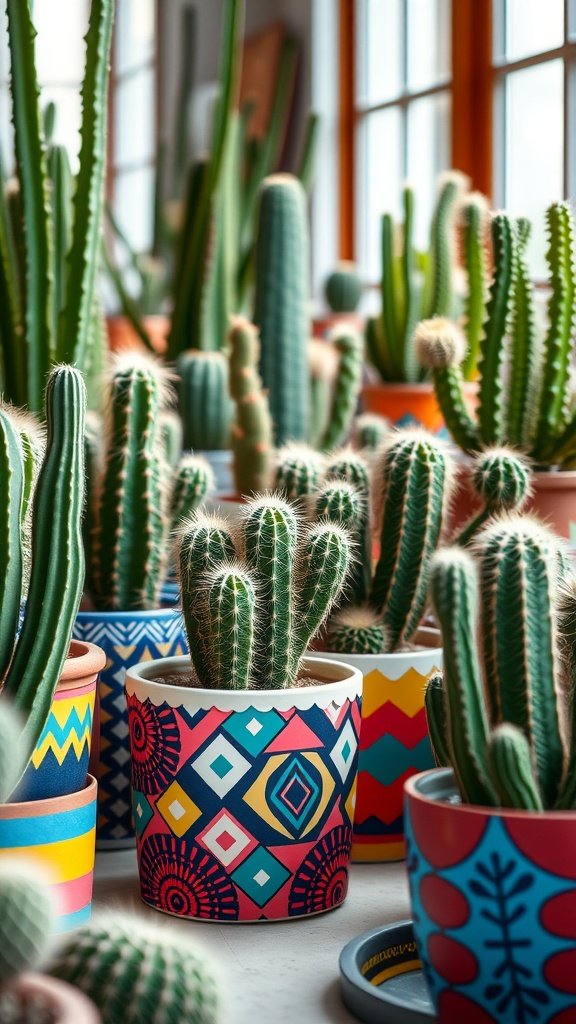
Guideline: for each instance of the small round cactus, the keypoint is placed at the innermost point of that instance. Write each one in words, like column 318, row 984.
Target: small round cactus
column 193, row 481
column 370, row 430
column 26, row 920
column 440, row 343
column 501, row 478
column 298, row 471
column 344, row 288
column 357, row 631
column 139, row 973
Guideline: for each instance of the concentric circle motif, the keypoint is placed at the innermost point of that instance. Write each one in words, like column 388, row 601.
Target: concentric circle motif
column 154, row 744
column 321, row 881
column 181, row 878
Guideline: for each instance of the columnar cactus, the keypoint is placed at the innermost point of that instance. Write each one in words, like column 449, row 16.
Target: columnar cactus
column 172, row 436
column 350, row 467
column 350, row 350
column 252, row 426
column 130, row 519
column 204, row 400
column 192, row 481
column 137, row 971
column 501, row 479
column 298, row 471
column 343, row 288
column 506, row 727
column 474, row 216
column 252, row 605
column 281, row 301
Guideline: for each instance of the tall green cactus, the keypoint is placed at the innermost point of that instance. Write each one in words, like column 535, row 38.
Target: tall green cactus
column 204, row 399
column 343, row 288
column 274, row 597
column 192, row 481
column 347, row 384
column 298, row 471
column 252, row 426
column 496, row 325
column 474, row 251
column 11, row 565
column 131, row 524
column 281, row 303
column 350, row 467
column 510, row 742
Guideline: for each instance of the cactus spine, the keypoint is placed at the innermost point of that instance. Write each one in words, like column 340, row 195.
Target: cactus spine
column 193, row 480
column 281, row 304
column 346, row 388
column 130, row 532
column 343, row 288
column 298, row 471
column 135, row 971
column 252, row 427
column 204, row 401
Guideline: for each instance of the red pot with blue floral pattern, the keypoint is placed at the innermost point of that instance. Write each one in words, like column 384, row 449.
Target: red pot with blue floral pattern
column 243, row 800
column 494, row 905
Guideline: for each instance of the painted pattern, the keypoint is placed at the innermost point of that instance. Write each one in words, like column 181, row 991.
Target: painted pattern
column 493, row 902
column 126, row 639
column 243, row 815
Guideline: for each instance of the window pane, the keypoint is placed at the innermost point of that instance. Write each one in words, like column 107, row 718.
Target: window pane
column 534, row 140
column 134, row 118
column 428, row 154
column 135, row 32
column 531, row 26
column 429, row 42
column 379, row 182
column 60, row 47
column 133, row 205
column 379, row 59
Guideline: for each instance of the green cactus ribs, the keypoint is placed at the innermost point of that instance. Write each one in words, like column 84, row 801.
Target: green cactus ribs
column 204, row 400
column 252, row 426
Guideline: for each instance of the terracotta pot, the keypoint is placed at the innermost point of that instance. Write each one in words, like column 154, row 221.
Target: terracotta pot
column 126, row 638
column 394, row 742
column 493, row 895
column 57, row 835
column 121, row 334
column 411, row 404
column 64, row 1003
column 321, row 326
column 243, row 799
column 60, row 761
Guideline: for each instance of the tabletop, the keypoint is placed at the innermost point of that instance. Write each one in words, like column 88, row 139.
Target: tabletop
column 286, row 972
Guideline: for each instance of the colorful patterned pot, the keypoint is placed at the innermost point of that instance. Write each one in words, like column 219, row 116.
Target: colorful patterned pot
column 243, row 800
column 59, row 836
column 493, row 900
column 407, row 405
column 59, row 763
column 394, row 742
column 127, row 638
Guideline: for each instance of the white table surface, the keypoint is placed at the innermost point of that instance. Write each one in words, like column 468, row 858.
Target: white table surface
column 285, row 973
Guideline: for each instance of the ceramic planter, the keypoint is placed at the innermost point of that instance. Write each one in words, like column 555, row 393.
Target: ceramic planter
column 58, row 836
column 59, row 764
column 394, row 742
column 408, row 405
column 63, row 1003
column 127, row 638
column 493, row 897
column 243, row 800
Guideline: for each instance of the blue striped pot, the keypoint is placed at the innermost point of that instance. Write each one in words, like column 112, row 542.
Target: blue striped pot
column 127, row 638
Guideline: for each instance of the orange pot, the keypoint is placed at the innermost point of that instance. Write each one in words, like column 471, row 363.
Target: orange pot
column 411, row 404
column 121, row 334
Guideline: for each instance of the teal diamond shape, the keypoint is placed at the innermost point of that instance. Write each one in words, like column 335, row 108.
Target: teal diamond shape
column 295, row 794
column 260, row 876
column 141, row 811
column 254, row 730
column 221, row 766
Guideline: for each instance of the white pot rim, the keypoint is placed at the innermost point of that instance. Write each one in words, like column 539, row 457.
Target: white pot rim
column 431, row 649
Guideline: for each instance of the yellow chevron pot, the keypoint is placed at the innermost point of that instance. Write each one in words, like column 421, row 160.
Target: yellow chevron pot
column 59, row 763
column 394, row 743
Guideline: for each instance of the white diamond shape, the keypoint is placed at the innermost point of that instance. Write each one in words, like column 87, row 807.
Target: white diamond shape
column 220, row 747
column 254, row 726
column 261, row 877
column 121, row 730
column 176, row 809
column 343, row 764
column 139, row 809
column 210, row 840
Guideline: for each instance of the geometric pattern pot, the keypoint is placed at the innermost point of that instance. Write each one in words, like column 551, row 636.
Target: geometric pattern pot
column 126, row 638
column 394, row 742
column 243, row 800
column 493, row 899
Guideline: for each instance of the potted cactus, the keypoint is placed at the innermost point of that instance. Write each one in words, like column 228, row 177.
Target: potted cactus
column 416, row 285
column 343, row 293
column 525, row 389
column 127, row 538
column 244, row 758
column 492, row 840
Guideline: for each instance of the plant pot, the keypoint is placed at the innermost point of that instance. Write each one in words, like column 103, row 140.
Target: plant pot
column 243, row 800
column 222, row 465
column 121, row 334
column 59, row 764
column 127, row 638
column 64, row 1004
column 493, row 896
column 58, row 836
column 394, row 742
column 407, row 405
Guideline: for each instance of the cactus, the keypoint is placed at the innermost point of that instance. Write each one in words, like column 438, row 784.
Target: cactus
column 281, row 299
column 323, row 368
column 193, row 480
column 26, row 920
column 357, row 631
column 130, row 520
column 134, row 970
column 509, row 742
column 441, row 347
column 252, row 426
column 57, row 569
column 11, row 563
column 343, row 288
column 369, row 431
column 348, row 466
column 501, row 479
column 288, row 578
column 172, row 436
column 298, row 471
column 346, row 387
column 436, row 717
column 339, row 502
column 474, row 222
column 204, row 401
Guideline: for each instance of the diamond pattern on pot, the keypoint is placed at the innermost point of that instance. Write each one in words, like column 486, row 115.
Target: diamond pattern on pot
column 253, row 729
column 227, row 839
column 260, row 876
column 221, row 766
column 344, row 750
column 177, row 809
column 141, row 810
column 295, row 794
